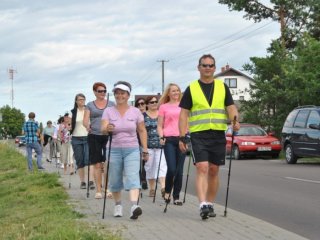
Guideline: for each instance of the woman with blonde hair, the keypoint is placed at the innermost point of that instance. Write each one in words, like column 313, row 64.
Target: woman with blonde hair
column 168, row 130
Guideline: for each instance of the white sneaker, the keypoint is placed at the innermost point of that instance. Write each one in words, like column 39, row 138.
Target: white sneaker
column 117, row 211
column 136, row 211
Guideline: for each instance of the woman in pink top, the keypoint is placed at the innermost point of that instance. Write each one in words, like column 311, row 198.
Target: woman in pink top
column 168, row 130
column 124, row 122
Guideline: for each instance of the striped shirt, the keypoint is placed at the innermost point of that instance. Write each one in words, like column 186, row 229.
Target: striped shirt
column 30, row 129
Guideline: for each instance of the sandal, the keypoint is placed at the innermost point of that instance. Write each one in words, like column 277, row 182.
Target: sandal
column 109, row 195
column 177, row 202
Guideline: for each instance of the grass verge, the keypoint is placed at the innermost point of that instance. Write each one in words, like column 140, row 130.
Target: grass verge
column 34, row 205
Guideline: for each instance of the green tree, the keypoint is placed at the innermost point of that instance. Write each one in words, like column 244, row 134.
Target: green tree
column 295, row 17
column 282, row 82
column 12, row 121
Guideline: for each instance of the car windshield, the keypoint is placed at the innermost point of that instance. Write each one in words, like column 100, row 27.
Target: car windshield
column 251, row 131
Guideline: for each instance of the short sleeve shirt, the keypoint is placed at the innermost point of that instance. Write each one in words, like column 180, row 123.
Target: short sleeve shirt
column 95, row 117
column 208, row 89
column 125, row 127
column 30, row 129
column 170, row 113
column 151, row 126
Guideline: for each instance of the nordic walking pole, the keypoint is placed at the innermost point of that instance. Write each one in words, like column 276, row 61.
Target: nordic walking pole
column 107, row 176
column 185, row 189
column 89, row 161
column 229, row 172
column 155, row 193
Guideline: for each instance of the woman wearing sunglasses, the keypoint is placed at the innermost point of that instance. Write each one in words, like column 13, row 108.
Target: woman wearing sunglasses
column 168, row 130
column 96, row 140
column 125, row 121
column 141, row 104
column 154, row 148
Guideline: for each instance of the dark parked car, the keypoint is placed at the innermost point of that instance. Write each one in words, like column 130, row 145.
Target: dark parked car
column 252, row 140
column 301, row 133
column 20, row 140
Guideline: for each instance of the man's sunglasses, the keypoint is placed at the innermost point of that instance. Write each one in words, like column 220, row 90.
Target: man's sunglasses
column 101, row 91
column 207, row 65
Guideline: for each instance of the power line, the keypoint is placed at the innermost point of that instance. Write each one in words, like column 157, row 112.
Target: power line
column 215, row 46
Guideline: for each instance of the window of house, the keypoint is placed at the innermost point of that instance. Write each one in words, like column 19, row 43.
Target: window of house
column 231, row 82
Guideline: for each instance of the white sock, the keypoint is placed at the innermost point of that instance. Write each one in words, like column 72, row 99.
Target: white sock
column 203, row 203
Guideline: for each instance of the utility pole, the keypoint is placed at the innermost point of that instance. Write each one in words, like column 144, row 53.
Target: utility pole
column 162, row 61
column 11, row 73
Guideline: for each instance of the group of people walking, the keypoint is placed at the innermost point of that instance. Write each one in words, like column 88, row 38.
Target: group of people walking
column 147, row 142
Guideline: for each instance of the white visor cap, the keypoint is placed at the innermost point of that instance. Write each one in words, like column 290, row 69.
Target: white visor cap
column 122, row 87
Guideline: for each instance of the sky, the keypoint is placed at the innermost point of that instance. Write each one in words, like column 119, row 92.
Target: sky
column 60, row 48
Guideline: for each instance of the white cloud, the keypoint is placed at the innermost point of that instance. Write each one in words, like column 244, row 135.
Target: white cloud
column 61, row 48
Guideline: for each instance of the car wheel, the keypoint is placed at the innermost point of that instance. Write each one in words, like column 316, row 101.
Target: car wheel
column 236, row 152
column 291, row 158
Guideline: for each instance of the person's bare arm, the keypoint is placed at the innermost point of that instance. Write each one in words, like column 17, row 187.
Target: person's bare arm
column 183, row 125
column 86, row 119
column 143, row 140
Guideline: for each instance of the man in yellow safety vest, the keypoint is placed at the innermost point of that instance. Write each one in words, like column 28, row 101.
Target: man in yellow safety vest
column 206, row 106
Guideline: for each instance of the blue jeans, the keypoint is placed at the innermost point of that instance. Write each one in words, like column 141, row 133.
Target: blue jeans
column 124, row 169
column 37, row 148
column 175, row 162
column 81, row 151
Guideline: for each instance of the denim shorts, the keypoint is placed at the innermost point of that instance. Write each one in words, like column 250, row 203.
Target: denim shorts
column 124, row 169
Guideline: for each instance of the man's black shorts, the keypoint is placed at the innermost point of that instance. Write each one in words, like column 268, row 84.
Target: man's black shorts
column 211, row 150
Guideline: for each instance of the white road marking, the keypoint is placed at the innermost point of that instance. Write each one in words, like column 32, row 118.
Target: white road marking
column 303, row 180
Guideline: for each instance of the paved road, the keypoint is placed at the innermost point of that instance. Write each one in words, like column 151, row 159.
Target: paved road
column 285, row 195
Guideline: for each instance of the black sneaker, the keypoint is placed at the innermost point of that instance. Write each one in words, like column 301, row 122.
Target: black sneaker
column 41, row 168
column 211, row 211
column 204, row 212
column 91, row 185
column 83, row 185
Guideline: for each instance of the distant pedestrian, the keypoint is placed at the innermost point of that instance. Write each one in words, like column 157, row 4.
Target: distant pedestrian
column 57, row 142
column 47, row 136
column 206, row 106
column 154, row 148
column 168, row 130
column 66, row 148
column 140, row 103
column 32, row 135
column 124, row 121
column 79, row 140
column 96, row 140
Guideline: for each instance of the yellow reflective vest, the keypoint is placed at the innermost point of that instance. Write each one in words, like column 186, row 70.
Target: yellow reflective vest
column 204, row 117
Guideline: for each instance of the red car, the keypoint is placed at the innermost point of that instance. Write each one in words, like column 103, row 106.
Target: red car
column 252, row 140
